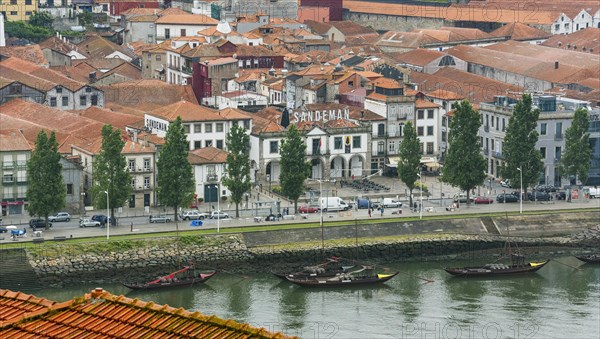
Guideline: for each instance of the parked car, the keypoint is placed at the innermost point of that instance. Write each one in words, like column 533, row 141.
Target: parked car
column 518, row 194
column 546, row 188
column 392, row 203
column 86, row 222
column 38, row 223
column 560, row 196
column 462, row 198
column 308, row 209
column 505, row 197
column 505, row 183
column 3, row 229
column 61, row 216
column 193, row 215
column 159, row 218
column 273, row 217
column 219, row 215
column 101, row 218
column 539, row 196
column 483, row 200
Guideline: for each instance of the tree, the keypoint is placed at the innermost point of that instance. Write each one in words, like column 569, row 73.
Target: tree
column 111, row 176
column 46, row 192
column 238, row 165
column 41, row 19
column 294, row 169
column 519, row 146
column 575, row 160
column 465, row 165
column 410, row 159
column 176, row 185
column 85, row 19
column 22, row 30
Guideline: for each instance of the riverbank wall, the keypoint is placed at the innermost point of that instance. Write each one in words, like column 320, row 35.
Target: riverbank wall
column 64, row 263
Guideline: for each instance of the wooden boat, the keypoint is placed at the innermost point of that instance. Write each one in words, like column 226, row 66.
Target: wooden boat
column 496, row 269
column 181, row 277
column 592, row 258
column 363, row 276
column 329, row 268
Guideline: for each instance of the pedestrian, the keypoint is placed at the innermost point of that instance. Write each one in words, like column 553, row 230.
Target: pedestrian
column 382, row 211
column 369, row 212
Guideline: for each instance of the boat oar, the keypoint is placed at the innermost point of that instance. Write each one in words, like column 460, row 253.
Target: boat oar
column 562, row 263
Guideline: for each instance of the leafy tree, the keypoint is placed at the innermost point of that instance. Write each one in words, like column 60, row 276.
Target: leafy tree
column 175, row 177
column 41, row 19
column 578, row 152
column 85, row 19
column 519, row 146
column 294, row 168
column 238, row 165
column 465, row 165
column 110, row 172
column 410, row 159
column 22, row 30
column 46, row 192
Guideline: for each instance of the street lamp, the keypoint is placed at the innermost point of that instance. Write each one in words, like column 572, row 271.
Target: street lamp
column 108, row 216
column 521, row 193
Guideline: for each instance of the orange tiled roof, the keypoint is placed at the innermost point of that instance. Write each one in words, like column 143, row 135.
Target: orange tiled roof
column 32, row 53
column 520, row 31
column 207, row 155
column 187, row 111
column 12, row 140
column 387, row 83
column 445, row 95
column 585, row 41
column 420, row 103
column 187, row 19
column 102, row 314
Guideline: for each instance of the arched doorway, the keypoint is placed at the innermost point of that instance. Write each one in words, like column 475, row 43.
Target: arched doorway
column 317, row 168
column 337, row 167
column 356, row 165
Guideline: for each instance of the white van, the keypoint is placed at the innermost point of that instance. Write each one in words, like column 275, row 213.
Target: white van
column 391, row 203
column 333, row 204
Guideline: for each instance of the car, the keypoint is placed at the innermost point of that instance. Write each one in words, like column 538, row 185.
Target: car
column 159, row 218
column 273, row 217
column 193, row 215
column 505, row 183
column 219, row 215
column 462, row 198
column 308, row 209
column 539, row 196
column 101, row 218
column 505, row 197
column 61, row 216
column 560, row 196
column 483, row 200
column 39, row 223
column 86, row 222
column 3, row 229
column 546, row 188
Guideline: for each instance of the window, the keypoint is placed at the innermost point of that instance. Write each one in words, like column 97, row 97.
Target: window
column 69, row 188
column 503, row 125
column 220, row 144
column 559, row 129
column 186, row 128
column 557, row 152
column 132, row 165
column 58, row 89
column 273, row 147
column 28, row 12
column 337, row 143
column 247, row 124
column 543, row 127
column 497, row 123
column 380, row 147
column 158, row 57
column 557, row 27
column 420, row 114
column 197, row 144
column 167, row 33
column 421, row 147
column 350, row 84
column 15, row 89
column 543, row 152
column 492, row 121
column 52, row 101
column 182, row 31
column 356, row 141
column 220, row 127
column 94, row 100
column 65, row 101
column 82, row 100
column 208, row 128
column 146, row 182
column 197, row 128
column 13, row 13
column 443, row 121
column 88, row 90
column 447, row 61
column 443, row 135
column 132, row 183
column 430, row 148
column 429, row 114
column 429, row 130
column 146, row 164
column 420, row 131
column 208, row 143
column 13, row 2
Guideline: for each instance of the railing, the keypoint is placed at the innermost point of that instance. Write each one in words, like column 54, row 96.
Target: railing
column 486, row 128
column 498, row 155
column 140, row 170
column 558, row 136
column 8, row 165
column 142, row 188
column 212, row 178
column 186, row 69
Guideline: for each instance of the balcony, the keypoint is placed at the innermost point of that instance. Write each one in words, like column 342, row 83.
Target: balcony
column 142, row 188
column 140, row 170
column 186, row 70
column 498, row 155
column 212, row 178
column 8, row 165
column 486, row 151
column 486, row 128
column 558, row 136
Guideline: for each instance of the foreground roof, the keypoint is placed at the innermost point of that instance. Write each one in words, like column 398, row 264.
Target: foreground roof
column 101, row 314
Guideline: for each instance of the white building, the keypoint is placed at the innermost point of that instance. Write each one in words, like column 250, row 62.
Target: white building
column 141, row 160
column 180, row 25
column 208, row 165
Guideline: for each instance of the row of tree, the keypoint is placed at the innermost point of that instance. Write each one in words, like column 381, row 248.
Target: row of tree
column 464, row 168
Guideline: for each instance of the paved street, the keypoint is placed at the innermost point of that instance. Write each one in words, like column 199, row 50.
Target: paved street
column 137, row 221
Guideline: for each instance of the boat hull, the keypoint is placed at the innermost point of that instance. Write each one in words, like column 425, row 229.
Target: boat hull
column 593, row 259
column 483, row 271
column 324, row 282
column 170, row 284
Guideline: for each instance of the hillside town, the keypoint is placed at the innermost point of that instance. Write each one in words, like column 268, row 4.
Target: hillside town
column 348, row 74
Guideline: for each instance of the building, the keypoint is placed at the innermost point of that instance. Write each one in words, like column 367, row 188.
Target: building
column 15, row 151
column 334, row 8
column 181, row 25
column 211, row 77
column 208, row 165
column 18, row 10
column 140, row 156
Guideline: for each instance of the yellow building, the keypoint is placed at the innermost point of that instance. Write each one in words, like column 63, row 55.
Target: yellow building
column 18, row 10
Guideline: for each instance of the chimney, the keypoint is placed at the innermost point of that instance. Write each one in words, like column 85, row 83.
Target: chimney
column 92, row 77
column 556, row 65
column 97, row 292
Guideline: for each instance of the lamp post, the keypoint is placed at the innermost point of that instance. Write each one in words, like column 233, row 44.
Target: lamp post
column 107, row 216
column 218, row 207
column 521, row 193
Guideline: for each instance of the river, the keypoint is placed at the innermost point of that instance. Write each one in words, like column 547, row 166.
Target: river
column 556, row 302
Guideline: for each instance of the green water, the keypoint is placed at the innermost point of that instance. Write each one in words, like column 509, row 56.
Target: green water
column 556, row 302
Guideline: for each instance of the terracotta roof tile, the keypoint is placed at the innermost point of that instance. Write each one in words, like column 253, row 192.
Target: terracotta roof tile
column 445, row 95
column 99, row 47
column 420, row 103
column 520, row 31
column 146, row 92
column 187, row 19
column 110, row 117
column 31, row 53
column 12, row 140
column 207, row 155
column 23, row 70
column 586, row 41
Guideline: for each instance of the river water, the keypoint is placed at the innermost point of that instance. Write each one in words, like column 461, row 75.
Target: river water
column 556, row 302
